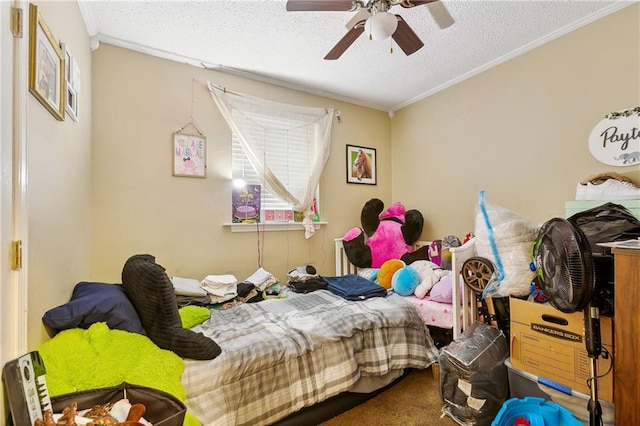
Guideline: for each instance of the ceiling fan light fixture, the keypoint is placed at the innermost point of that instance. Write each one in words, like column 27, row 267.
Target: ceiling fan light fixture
column 381, row 25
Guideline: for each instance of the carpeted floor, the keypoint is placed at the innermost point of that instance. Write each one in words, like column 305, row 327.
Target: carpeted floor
column 415, row 401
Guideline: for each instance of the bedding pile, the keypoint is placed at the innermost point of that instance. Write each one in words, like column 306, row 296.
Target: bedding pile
column 281, row 355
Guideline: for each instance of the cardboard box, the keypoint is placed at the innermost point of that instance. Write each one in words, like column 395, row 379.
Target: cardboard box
column 550, row 344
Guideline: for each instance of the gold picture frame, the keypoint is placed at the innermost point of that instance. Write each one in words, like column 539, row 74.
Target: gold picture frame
column 46, row 65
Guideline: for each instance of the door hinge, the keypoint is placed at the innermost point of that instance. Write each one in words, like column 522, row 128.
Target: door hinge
column 16, row 255
column 16, row 22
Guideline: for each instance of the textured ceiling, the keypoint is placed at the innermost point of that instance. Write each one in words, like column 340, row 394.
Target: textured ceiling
column 260, row 39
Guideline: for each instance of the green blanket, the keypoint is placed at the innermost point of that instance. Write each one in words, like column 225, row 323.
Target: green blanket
column 79, row 359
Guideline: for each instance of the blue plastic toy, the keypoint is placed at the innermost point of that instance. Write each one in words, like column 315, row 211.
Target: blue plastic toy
column 533, row 411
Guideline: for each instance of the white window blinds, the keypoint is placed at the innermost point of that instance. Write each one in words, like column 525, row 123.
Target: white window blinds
column 286, row 151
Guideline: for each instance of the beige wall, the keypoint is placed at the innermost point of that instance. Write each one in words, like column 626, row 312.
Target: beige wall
column 139, row 207
column 518, row 131
column 59, row 183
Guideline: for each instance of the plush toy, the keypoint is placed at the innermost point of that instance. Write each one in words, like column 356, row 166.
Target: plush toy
column 387, row 270
column 405, row 281
column 430, row 273
column 385, row 235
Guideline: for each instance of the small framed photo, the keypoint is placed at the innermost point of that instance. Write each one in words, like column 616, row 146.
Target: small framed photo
column 361, row 165
column 189, row 155
column 72, row 78
column 46, row 66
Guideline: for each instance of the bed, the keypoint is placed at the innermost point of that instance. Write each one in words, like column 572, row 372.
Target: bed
column 255, row 363
column 283, row 355
column 453, row 318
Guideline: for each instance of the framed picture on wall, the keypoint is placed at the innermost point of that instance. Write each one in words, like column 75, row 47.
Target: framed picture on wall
column 361, row 165
column 46, row 65
column 72, row 79
column 189, row 155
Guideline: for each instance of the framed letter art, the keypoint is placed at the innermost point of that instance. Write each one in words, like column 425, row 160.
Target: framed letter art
column 189, row 155
column 361, row 165
column 46, row 65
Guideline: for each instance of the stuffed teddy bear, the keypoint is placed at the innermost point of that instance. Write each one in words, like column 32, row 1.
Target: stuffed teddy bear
column 384, row 235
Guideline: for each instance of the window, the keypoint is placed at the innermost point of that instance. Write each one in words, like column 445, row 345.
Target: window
column 287, row 151
column 286, row 145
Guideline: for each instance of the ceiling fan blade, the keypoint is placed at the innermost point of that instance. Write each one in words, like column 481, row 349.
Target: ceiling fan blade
column 406, row 38
column 414, row 3
column 438, row 10
column 440, row 14
column 319, row 5
column 346, row 41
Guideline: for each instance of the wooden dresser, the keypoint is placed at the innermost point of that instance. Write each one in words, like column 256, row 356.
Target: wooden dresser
column 627, row 336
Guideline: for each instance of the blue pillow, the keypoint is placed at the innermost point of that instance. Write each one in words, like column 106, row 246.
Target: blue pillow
column 95, row 302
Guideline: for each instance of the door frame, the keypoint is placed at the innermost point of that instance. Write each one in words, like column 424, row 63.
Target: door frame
column 13, row 185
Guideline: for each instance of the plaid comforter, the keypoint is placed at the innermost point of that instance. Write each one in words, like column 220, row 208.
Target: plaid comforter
column 281, row 355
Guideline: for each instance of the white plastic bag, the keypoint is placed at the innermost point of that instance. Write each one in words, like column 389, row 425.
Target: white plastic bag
column 506, row 239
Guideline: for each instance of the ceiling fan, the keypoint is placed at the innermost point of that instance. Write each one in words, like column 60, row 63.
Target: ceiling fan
column 374, row 17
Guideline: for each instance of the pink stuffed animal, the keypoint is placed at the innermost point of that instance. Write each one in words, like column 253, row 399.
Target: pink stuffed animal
column 390, row 235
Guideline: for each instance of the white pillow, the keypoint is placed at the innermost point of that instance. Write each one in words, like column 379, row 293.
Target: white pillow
column 187, row 287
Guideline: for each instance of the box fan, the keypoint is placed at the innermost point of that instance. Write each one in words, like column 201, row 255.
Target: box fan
column 564, row 263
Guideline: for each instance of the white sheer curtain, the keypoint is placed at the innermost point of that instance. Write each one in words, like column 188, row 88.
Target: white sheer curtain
column 255, row 120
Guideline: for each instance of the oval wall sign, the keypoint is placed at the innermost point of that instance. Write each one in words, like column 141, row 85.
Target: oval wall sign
column 616, row 139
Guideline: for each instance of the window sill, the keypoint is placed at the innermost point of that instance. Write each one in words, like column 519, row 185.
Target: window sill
column 270, row 226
